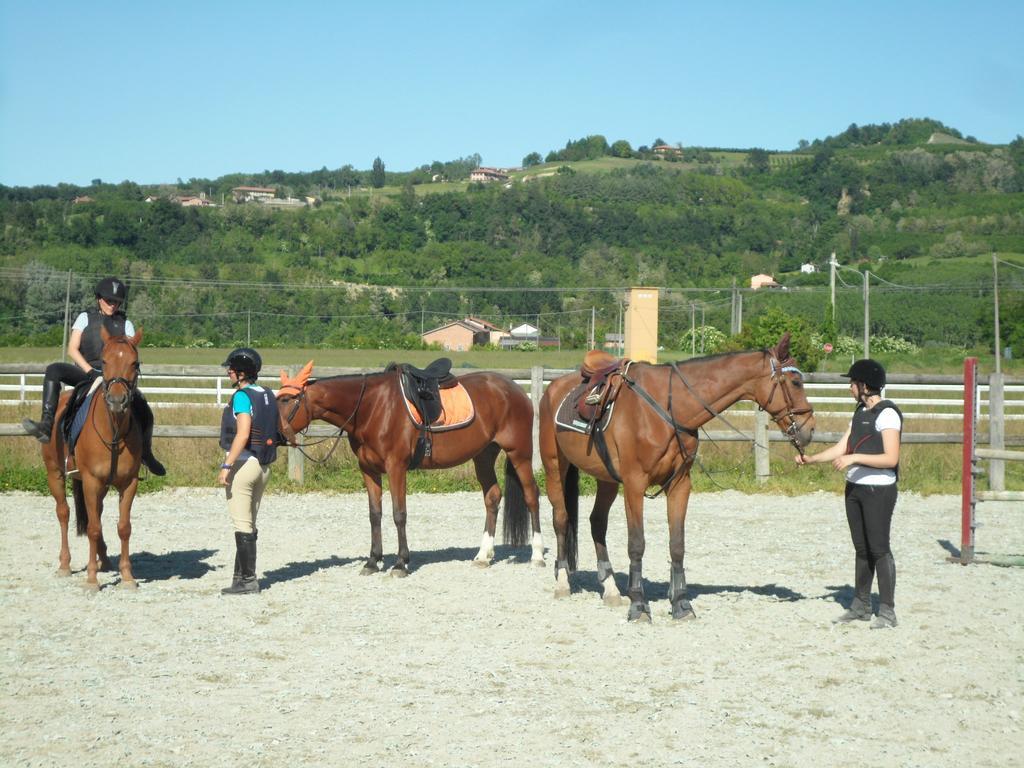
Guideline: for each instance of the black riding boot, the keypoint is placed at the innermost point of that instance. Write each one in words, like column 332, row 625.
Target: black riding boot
column 42, row 429
column 144, row 414
column 246, row 582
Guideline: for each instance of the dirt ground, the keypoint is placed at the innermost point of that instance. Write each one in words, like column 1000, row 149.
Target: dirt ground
column 464, row 666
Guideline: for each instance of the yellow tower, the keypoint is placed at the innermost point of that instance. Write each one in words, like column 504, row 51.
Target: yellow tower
column 642, row 324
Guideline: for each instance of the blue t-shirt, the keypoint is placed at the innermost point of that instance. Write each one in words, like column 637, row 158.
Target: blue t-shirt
column 242, row 404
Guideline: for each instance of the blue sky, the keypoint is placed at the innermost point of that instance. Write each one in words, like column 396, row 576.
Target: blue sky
column 154, row 92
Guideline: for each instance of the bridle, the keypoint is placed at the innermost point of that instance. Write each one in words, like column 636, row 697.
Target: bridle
column 116, row 409
column 789, row 412
column 300, row 400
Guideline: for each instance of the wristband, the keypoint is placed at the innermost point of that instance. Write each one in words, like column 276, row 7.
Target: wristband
column 225, row 466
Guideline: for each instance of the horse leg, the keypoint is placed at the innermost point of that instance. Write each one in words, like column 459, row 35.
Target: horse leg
column 124, row 530
column 375, row 493
column 523, row 466
column 483, row 463
column 55, row 479
column 678, row 499
column 639, row 608
column 606, row 493
column 93, row 492
column 396, row 485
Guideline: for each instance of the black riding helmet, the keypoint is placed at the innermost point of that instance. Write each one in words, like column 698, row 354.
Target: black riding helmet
column 868, row 371
column 111, row 289
column 244, row 360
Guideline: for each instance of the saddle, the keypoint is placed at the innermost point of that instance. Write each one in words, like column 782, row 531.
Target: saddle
column 600, row 385
column 76, row 400
column 422, row 388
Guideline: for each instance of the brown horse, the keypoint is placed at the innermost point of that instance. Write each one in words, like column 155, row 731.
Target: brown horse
column 370, row 408
column 651, row 439
column 108, row 454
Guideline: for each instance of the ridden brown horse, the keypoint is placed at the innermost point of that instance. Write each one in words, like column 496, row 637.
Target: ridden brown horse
column 651, row 439
column 370, row 408
column 108, row 454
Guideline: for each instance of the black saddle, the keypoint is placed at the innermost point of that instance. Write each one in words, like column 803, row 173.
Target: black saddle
column 75, row 401
column 422, row 386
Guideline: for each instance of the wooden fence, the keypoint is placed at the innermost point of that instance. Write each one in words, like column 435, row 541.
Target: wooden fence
column 921, row 397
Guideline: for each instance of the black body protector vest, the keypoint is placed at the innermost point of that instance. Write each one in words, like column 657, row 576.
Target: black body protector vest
column 864, row 438
column 91, row 345
column 263, row 437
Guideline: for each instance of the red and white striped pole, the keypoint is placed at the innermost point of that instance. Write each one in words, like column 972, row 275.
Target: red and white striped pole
column 970, row 424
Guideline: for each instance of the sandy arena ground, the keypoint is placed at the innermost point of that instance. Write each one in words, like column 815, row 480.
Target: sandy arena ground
column 462, row 666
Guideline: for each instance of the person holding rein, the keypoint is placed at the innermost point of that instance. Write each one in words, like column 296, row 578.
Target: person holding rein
column 85, row 348
column 248, row 433
column 869, row 454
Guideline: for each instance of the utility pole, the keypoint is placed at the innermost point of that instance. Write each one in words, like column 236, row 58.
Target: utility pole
column 995, row 292
column 593, row 329
column 832, row 285
column 702, row 325
column 733, row 324
column 693, row 330
column 867, row 315
column 248, row 327
column 67, row 316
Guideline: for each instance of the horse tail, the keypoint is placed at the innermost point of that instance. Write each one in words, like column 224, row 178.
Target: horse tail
column 515, row 526
column 81, row 512
column 571, row 494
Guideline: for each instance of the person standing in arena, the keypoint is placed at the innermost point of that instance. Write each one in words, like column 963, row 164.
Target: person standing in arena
column 869, row 453
column 85, row 348
column 248, row 432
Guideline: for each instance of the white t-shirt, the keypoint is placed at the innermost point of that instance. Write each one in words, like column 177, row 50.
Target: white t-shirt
column 83, row 320
column 858, row 473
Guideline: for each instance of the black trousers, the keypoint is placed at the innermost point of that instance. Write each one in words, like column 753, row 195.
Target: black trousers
column 869, row 511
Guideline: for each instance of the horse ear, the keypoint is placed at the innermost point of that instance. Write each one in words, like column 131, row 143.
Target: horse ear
column 137, row 338
column 782, row 348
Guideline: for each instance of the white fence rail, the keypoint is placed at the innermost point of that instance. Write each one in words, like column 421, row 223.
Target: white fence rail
column 917, row 400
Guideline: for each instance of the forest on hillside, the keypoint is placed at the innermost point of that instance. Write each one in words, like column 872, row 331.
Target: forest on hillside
column 368, row 265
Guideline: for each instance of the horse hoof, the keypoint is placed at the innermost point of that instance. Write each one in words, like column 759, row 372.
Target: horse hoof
column 91, row 586
column 63, row 572
column 481, row 563
column 132, row 584
column 398, row 572
column 683, row 615
column 369, row 569
column 538, row 562
column 639, row 615
column 561, row 592
column 614, row 601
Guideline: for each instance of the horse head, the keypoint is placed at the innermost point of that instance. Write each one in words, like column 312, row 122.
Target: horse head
column 782, row 394
column 293, row 407
column 120, row 369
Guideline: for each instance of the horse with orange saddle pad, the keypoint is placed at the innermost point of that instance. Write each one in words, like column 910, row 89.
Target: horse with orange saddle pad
column 492, row 414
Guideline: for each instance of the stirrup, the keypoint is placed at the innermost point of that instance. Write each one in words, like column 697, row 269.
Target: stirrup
column 593, row 398
column 70, row 467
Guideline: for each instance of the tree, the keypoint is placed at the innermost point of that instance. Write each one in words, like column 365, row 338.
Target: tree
column 532, row 159
column 622, row 148
column 758, row 160
column 377, row 174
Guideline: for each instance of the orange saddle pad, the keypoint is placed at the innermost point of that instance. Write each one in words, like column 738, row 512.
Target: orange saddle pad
column 456, row 409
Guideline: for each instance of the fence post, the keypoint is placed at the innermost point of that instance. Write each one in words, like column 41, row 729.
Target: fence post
column 967, row 522
column 762, row 462
column 536, row 390
column 996, row 431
